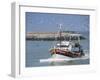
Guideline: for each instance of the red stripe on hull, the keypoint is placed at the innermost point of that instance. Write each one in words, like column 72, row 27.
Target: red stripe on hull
column 66, row 53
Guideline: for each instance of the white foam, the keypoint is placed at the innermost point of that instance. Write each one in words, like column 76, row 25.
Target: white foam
column 60, row 58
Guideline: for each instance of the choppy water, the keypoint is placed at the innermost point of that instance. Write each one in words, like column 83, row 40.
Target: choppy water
column 36, row 50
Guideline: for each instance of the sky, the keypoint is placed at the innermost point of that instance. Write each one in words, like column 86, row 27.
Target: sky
column 49, row 22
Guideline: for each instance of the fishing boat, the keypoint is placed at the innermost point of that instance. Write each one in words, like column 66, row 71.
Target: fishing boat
column 68, row 48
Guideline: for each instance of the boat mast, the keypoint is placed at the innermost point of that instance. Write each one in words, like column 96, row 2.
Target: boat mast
column 79, row 39
column 60, row 33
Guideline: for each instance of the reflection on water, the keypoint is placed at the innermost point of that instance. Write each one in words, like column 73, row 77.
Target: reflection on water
column 76, row 62
column 62, row 63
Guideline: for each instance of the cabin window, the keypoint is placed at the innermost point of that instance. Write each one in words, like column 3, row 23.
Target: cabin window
column 63, row 46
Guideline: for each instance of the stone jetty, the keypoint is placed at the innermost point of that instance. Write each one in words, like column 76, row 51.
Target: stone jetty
column 53, row 36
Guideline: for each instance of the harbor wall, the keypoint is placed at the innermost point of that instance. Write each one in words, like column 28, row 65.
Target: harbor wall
column 52, row 36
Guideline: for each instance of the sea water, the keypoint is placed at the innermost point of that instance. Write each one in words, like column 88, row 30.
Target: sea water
column 36, row 50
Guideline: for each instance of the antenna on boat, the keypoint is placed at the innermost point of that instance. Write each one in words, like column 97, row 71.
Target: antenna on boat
column 60, row 26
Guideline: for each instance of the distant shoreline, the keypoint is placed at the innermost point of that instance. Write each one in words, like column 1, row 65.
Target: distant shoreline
column 53, row 36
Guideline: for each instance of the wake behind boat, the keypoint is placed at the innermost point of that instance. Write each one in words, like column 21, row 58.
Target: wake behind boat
column 61, row 58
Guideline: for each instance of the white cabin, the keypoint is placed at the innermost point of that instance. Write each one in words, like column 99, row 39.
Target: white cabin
column 64, row 45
